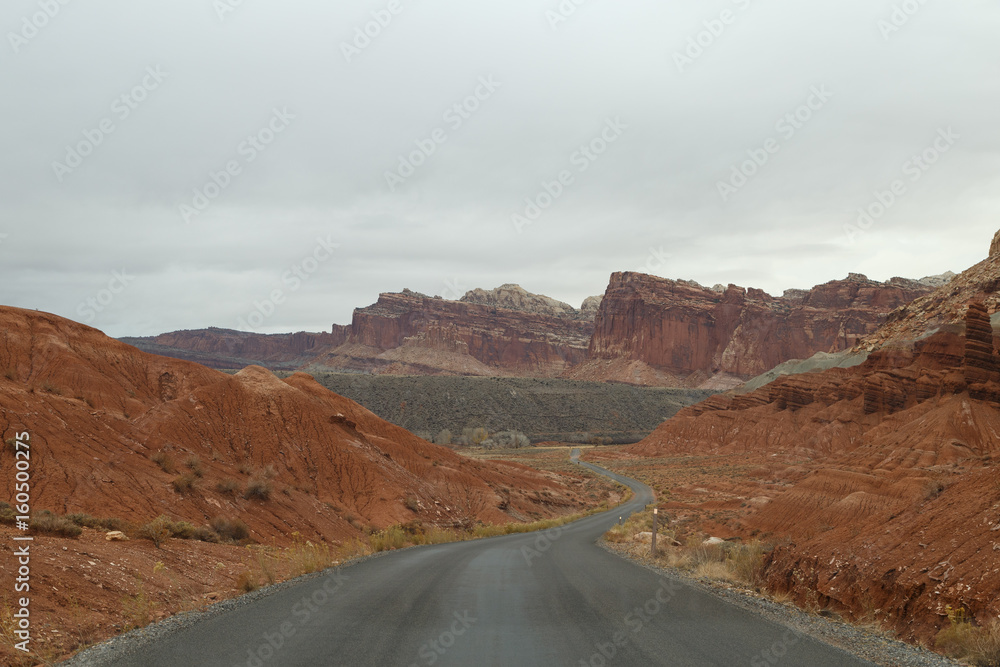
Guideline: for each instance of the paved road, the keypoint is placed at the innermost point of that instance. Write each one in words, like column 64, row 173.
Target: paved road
column 536, row 599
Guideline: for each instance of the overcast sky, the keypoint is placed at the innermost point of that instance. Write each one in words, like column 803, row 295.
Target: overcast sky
column 116, row 114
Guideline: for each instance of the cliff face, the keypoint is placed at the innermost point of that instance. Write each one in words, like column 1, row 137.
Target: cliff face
column 413, row 334
column 695, row 333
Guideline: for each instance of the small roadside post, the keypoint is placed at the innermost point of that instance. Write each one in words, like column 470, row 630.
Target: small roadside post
column 655, row 511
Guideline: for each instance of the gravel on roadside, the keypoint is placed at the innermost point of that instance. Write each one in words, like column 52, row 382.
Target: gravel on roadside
column 865, row 643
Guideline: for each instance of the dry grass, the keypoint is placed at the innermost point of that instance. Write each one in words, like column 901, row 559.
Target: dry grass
column 258, row 488
column 165, row 461
column 137, row 609
column 51, row 524
column 975, row 645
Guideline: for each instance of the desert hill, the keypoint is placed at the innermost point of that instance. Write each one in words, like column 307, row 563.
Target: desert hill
column 119, row 433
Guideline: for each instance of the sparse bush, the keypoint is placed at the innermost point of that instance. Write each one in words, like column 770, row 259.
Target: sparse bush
column 184, row 483
column 50, row 388
column 246, row 468
column 164, row 460
column 392, row 537
column 88, row 521
column 137, row 609
column 193, row 464
column 443, row 437
column 53, row 524
column 258, row 489
column 232, row 530
column 507, row 440
column 156, row 531
column 961, row 639
column 246, row 582
column 412, row 504
column 7, row 514
column 227, row 486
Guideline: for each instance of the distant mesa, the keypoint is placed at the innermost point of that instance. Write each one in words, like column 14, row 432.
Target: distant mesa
column 644, row 330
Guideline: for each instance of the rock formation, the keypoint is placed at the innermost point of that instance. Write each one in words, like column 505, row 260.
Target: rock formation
column 695, row 334
column 507, row 331
column 645, row 330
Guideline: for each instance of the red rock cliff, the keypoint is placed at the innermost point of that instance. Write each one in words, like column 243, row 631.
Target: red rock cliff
column 686, row 329
column 410, row 333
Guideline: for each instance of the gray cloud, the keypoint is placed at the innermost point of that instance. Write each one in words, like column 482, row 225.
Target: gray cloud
column 651, row 199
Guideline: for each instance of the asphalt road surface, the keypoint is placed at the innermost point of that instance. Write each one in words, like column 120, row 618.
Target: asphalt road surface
column 552, row 598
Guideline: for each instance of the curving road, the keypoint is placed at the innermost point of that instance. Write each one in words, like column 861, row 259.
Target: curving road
column 551, row 598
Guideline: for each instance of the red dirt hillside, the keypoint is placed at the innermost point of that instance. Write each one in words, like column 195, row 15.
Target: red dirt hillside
column 879, row 483
column 99, row 411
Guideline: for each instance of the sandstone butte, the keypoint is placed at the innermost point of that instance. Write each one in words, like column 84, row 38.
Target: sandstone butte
column 645, row 330
column 98, row 410
column 881, row 482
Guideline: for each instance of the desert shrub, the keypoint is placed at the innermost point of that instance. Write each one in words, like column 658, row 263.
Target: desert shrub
column 246, row 582
column 507, row 440
column 412, row 504
column 53, row 524
column 7, row 514
column 184, row 483
column 232, row 530
column 443, row 437
column 50, row 388
column 227, row 486
column 193, row 464
column 156, row 531
column 392, row 537
column 137, row 609
column 965, row 641
column 164, row 460
column 746, row 561
column 304, row 557
column 88, row 521
column 258, row 489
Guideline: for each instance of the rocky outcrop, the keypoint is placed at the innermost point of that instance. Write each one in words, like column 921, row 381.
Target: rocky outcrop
column 504, row 332
column 995, row 246
column 696, row 334
column 515, row 297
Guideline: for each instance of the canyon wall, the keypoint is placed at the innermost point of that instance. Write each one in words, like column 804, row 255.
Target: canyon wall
column 695, row 334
